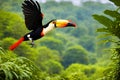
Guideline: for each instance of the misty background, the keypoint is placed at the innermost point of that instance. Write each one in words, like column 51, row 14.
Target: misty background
column 77, row 2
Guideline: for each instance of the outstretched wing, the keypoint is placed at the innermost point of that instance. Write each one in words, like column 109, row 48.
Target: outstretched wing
column 33, row 14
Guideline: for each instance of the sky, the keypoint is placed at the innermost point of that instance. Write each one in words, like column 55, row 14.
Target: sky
column 77, row 2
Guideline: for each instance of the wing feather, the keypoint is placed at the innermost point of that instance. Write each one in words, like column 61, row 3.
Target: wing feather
column 32, row 13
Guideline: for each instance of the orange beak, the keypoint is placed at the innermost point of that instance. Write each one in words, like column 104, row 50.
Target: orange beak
column 64, row 23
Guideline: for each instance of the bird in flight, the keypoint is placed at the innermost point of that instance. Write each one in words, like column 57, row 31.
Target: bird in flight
column 33, row 21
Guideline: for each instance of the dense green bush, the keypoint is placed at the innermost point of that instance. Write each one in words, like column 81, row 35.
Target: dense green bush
column 17, row 68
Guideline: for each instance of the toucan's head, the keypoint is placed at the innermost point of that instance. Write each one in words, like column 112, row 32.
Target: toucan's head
column 57, row 24
column 60, row 23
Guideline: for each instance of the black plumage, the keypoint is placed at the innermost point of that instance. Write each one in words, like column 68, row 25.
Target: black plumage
column 33, row 14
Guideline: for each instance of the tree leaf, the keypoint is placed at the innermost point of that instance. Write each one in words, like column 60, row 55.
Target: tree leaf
column 116, row 2
column 114, row 14
column 102, row 30
column 103, row 20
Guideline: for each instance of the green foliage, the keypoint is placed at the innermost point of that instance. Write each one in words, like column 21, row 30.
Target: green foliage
column 97, row 73
column 88, row 39
column 75, row 54
column 11, row 25
column 17, row 68
column 80, row 31
column 116, row 2
column 52, row 43
column 45, row 54
column 52, row 67
column 6, row 42
column 82, row 72
column 112, row 26
column 73, row 72
column 113, row 14
column 11, row 5
column 103, row 20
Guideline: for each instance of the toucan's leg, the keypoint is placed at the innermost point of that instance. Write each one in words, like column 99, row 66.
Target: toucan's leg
column 32, row 42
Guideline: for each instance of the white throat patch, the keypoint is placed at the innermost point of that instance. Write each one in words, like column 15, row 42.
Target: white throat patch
column 49, row 28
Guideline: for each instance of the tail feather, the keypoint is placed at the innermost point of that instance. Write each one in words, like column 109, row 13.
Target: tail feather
column 16, row 44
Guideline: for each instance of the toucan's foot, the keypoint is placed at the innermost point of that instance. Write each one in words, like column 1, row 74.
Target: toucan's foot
column 32, row 44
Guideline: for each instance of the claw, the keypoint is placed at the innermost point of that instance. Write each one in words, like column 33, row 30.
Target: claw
column 32, row 43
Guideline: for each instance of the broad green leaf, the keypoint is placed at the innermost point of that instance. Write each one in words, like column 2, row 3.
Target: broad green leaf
column 103, row 20
column 102, row 30
column 116, row 2
column 114, row 14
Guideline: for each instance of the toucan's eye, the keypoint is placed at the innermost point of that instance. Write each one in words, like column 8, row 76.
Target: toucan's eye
column 54, row 22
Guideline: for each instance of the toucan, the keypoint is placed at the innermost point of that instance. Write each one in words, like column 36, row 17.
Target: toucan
column 33, row 21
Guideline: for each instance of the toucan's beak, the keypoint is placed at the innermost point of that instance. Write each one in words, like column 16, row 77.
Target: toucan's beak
column 64, row 23
column 70, row 23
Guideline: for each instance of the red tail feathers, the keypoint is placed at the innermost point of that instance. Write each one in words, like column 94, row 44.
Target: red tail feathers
column 12, row 47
